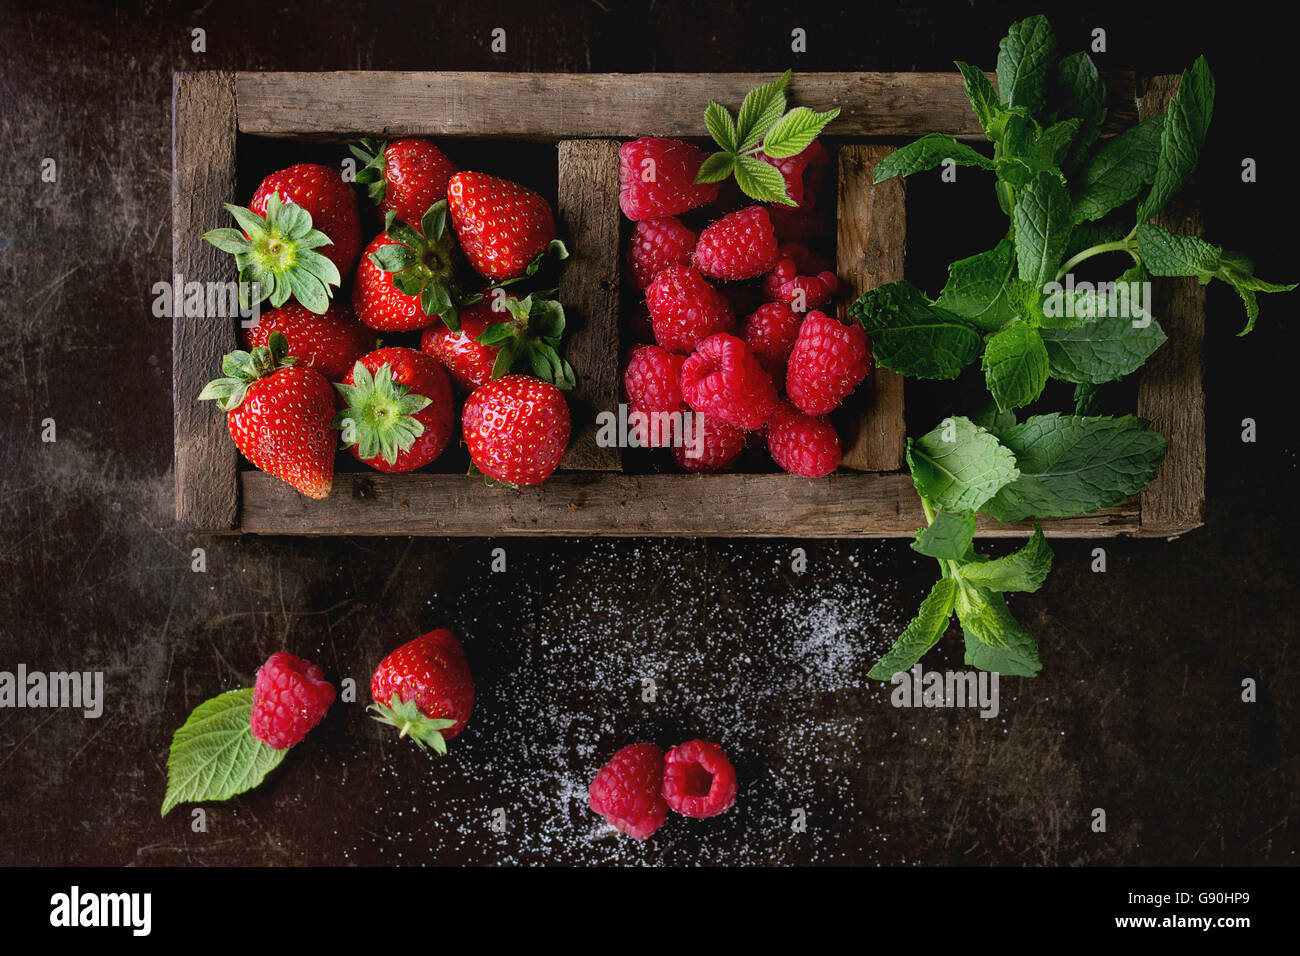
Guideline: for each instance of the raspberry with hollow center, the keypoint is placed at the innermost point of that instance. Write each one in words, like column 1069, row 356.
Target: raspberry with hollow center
column 290, row 697
column 699, row 780
column 724, row 379
column 628, row 791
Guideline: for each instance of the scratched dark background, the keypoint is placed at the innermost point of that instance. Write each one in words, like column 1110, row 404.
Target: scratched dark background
column 1137, row 711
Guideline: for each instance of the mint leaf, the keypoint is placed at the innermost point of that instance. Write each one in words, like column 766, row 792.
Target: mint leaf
column 959, row 466
column 950, row 537
column 1166, row 253
column 1073, row 465
column 762, row 107
column 1084, row 96
column 921, row 634
column 1119, row 170
column 1186, row 124
column 984, row 614
column 1100, row 351
column 1015, row 366
column 1019, row 658
column 795, row 131
column 214, row 754
column 926, row 153
column 761, row 181
column 1023, row 570
column 983, row 97
column 1024, row 55
column 977, row 288
column 913, row 337
column 721, row 126
column 1042, row 221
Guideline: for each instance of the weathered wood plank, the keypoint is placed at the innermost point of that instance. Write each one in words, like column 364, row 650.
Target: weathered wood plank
column 593, row 105
column 870, row 240
column 589, row 216
column 873, row 505
column 203, row 177
column 1171, row 389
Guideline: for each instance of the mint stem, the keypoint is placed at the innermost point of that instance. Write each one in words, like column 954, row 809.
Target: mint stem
column 1119, row 245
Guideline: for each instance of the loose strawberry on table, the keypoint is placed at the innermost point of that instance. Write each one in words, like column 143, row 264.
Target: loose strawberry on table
column 404, row 177
column 425, row 690
column 516, row 429
column 279, row 415
column 329, row 342
column 397, row 410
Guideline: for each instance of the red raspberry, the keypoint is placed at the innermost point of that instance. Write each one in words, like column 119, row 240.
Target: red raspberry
column 637, row 325
column 699, row 780
column 771, row 332
column 657, row 178
column 806, row 261
column 716, row 448
column 685, row 309
column 655, row 245
column 653, row 380
column 725, row 380
column 290, row 697
column 802, row 293
column 797, row 225
column 802, row 444
column 803, row 173
column 740, row 245
column 828, row 361
column 628, row 791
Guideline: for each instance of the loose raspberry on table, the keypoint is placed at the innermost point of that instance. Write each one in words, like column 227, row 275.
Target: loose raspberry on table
column 290, row 697
column 828, row 361
column 724, row 379
column 628, row 791
column 685, row 309
column 655, row 245
column 657, row 178
column 709, row 445
column 802, row 444
column 740, row 245
column 699, row 780
column 771, row 332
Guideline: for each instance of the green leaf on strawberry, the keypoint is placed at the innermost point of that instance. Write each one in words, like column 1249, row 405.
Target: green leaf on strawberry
column 406, row 717
column 378, row 414
column 531, row 335
column 277, row 256
column 423, row 263
column 241, row 369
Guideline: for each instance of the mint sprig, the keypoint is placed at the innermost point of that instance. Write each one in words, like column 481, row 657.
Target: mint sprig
column 762, row 127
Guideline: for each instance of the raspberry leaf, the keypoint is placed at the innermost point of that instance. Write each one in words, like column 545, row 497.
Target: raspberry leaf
column 214, row 755
column 721, row 126
column 795, row 131
column 716, row 168
column 761, row 181
column 762, row 107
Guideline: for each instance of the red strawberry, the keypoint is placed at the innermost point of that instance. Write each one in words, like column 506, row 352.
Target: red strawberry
column 501, row 226
column 709, row 445
column 378, row 302
column 424, row 689
column 397, row 409
column 657, row 178
column 333, row 206
column 628, row 791
column 740, row 245
column 771, row 332
column 802, row 444
column 329, row 343
column 516, row 429
column 655, row 245
column 828, row 361
column 723, row 379
column 803, row 173
column 405, row 177
column 685, row 309
column 279, row 415
column 468, row 362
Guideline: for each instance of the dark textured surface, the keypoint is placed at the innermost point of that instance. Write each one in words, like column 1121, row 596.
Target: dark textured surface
column 1138, row 709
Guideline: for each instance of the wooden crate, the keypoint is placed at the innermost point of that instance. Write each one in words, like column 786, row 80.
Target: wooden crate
column 586, row 115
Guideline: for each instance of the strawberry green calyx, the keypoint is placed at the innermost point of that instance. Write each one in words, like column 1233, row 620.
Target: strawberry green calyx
column 277, row 255
column 370, row 152
column 424, row 265
column 379, row 414
column 241, row 369
column 531, row 335
column 406, row 717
